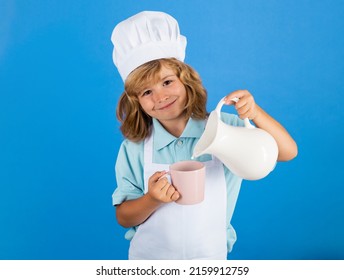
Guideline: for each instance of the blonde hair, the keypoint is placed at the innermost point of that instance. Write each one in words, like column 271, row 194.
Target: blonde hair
column 135, row 123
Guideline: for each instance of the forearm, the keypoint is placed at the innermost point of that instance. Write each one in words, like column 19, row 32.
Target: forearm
column 134, row 212
column 287, row 148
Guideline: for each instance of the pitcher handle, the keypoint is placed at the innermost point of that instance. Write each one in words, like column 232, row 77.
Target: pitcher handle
column 235, row 99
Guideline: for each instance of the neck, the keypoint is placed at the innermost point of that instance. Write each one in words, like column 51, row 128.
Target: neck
column 175, row 127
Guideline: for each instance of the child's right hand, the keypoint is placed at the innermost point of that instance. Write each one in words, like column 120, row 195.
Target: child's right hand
column 160, row 189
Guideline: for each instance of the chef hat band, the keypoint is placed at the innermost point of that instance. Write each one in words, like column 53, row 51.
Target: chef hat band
column 144, row 37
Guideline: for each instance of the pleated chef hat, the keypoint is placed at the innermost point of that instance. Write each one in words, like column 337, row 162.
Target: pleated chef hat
column 144, row 37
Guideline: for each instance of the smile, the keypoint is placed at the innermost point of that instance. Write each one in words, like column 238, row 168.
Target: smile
column 166, row 106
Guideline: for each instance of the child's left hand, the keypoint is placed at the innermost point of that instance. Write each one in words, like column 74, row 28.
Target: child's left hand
column 246, row 106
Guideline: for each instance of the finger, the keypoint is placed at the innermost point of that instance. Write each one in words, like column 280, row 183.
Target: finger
column 163, row 183
column 238, row 94
column 157, row 175
column 251, row 114
column 244, row 109
column 240, row 105
column 170, row 191
column 175, row 196
column 247, row 99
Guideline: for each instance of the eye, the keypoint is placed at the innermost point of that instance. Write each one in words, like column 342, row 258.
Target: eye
column 146, row 93
column 167, row 82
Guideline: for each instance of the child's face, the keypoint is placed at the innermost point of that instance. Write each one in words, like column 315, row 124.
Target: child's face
column 165, row 99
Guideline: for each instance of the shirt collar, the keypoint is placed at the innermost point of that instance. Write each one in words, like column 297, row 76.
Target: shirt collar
column 162, row 138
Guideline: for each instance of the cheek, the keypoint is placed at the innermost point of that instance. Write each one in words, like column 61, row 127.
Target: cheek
column 145, row 105
column 183, row 93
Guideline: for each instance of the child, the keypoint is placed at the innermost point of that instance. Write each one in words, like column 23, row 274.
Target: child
column 163, row 115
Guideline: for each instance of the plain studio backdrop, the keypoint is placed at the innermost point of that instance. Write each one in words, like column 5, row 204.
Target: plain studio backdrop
column 59, row 136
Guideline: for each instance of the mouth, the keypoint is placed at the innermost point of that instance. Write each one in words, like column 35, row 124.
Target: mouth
column 166, row 106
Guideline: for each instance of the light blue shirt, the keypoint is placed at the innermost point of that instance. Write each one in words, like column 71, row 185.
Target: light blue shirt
column 167, row 150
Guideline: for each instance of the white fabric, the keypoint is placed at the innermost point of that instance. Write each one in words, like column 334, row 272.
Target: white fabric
column 144, row 37
column 177, row 231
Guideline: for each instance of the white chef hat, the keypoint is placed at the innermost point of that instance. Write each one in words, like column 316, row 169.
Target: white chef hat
column 144, row 37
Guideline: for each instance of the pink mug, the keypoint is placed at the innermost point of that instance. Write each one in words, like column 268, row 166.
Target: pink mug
column 188, row 177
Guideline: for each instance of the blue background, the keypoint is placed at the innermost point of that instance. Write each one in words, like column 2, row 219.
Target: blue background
column 59, row 136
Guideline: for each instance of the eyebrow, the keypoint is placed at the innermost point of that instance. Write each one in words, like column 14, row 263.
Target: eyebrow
column 167, row 76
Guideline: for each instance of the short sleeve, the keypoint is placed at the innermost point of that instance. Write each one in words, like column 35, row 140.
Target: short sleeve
column 129, row 172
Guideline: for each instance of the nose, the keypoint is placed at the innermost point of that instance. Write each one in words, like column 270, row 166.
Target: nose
column 160, row 95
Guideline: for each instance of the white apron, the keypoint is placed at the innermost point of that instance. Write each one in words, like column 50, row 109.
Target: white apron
column 177, row 231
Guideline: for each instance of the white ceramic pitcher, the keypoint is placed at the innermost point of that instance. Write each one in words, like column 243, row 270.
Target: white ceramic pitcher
column 249, row 152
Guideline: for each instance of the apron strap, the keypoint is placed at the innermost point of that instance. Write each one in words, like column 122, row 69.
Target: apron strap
column 148, row 150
